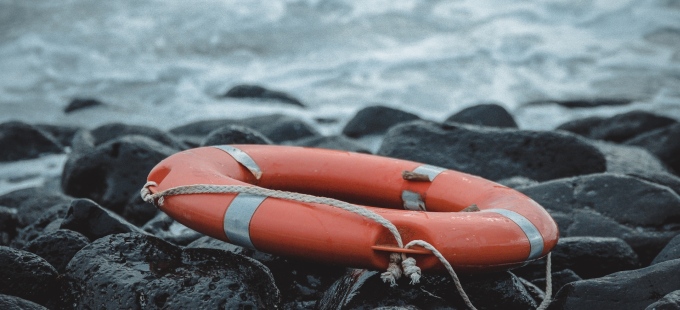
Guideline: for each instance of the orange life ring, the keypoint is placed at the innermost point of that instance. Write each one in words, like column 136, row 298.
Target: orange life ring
column 509, row 229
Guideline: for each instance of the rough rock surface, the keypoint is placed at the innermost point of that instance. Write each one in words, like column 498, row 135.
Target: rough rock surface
column 112, row 172
column 664, row 143
column 276, row 127
column 670, row 252
column 26, row 275
column 634, row 289
column 58, row 248
column 31, row 203
column 23, row 141
column 494, row 153
column 8, row 302
column 332, row 142
column 300, row 282
column 669, row 302
column 235, row 134
column 166, row 228
column 617, row 128
column 94, row 222
column 488, row 114
column 259, row 92
column 375, row 120
column 138, row 271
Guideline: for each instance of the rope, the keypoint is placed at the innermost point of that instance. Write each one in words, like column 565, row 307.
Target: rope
column 394, row 271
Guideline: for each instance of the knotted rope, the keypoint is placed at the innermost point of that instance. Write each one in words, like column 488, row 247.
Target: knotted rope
column 399, row 264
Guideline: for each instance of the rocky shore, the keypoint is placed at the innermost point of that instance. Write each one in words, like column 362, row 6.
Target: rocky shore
column 612, row 185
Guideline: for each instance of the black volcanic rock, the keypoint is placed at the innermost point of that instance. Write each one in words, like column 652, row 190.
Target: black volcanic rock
column 47, row 223
column 94, row 222
column 664, row 143
column 375, row 120
column 494, row 153
column 112, row 172
column 112, row 131
column 634, row 289
column 332, row 142
column 31, row 203
column 23, row 141
column 28, row 276
column 8, row 302
column 488, row 114
column 166, row 228
column 669, row 302
column 58, row 248
column 618, row 128
column 259, row 92
column 139, row 271
column 670, row 252
column 235, row 134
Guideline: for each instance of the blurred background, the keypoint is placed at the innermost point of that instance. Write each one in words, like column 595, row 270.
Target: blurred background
column 167, row 63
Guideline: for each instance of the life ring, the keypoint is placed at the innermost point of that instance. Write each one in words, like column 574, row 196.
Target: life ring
column 508, row 230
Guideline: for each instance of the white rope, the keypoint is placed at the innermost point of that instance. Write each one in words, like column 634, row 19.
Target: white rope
column 548, row 284
column 394, row 271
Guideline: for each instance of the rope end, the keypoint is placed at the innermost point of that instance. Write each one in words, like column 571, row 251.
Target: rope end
column 146, row 193
column 411, row 270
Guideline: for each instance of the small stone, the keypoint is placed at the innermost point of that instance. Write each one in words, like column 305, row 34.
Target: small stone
column 168, row 229
column 58, row 248
column 494, row 153
column 23, row 141
column 235, row 134
column 28, row 276
column 112, row 172
column 670, row 252
column 374, row 120
column 136, row 271
column 634, row 289
column 8, row 302
column 488, row 114
column 259, row 92
column 81, row 103
column 94, row 222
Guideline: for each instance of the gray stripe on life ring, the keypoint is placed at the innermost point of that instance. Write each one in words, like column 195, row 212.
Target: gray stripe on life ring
column 413, row 201
column 430, row 171
column 242, row 158
column 532, row 233
column 237, row 218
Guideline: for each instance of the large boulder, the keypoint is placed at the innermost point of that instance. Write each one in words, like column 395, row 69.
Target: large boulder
column 494, row 153
column 26, row 275
column 487, row 114
column 94, row 222
column 664, row 143
column 23, row 141
column 48, row 223
column 136, row 271
column 626, row 159
column 248, row 91
column 375, row 120
column 112, row 172
column 634, row 289
column 618, row 128
column 670, row 252
column 58, row 248
column 31, row 203
column 669, row 302
column 235, row 134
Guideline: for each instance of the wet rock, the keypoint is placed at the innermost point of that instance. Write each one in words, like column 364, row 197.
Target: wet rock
column 559, row 279
column 494, row 153
column 670, row 252
column 585, row 103
column 139, row 212
column 23, row 141
column 300, row 282
column 617, row 128
column 94, row 222
column 629, row 159
column 108, row 132
column 489, row 114
column 333, row 142
column 63, row 134
column 81, row 103
column 8, row 224
column 49, row 222
column 669, row 302
column 259, row 92
column 139, row 271
column 168, row 229
column 112, row 172
column 28, row 276
column 664, row 143
column 375, row 120
column 634, row 289
column 589, row 257
column 31, row 203
column 607, row 205
column 235, row 134
column 8, row 302
column 276, row 127
column 58, row 248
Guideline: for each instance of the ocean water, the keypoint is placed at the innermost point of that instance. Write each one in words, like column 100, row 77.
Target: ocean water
column 165, row 63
